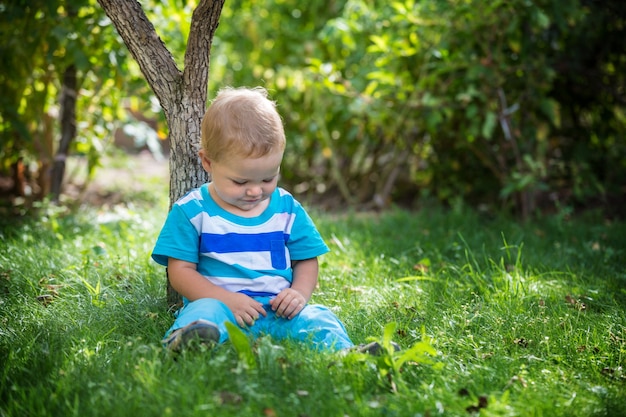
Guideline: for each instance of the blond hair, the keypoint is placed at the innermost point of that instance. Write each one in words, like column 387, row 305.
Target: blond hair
column 242, row 122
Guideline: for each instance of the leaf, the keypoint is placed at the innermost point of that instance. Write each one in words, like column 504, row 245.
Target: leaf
column 380, row 42
column 421, row 352
column 483, row 402
column 45, row 299
column 390, row 330
column 241, row 344
column 422, row 266
column 489, row 125
column 99, row 250
column 433, row 119
column 551, row 109
column 540, row 18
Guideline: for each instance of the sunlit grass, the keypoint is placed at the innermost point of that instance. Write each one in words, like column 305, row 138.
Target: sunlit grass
column 525, row 319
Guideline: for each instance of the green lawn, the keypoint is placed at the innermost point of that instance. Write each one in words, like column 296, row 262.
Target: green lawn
column 495, row 318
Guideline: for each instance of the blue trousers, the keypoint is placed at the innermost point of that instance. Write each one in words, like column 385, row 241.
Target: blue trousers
column 315, row 324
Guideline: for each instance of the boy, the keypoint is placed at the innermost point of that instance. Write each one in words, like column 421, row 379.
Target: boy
column 240, row 249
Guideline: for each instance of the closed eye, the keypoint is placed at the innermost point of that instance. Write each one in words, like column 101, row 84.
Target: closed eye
column 244, row 182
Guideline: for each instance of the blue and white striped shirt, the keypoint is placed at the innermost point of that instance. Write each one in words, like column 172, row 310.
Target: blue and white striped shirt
column 248, row 255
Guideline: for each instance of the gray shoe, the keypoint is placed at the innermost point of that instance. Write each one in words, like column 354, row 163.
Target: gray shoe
column 201, row 332
column 375, row 348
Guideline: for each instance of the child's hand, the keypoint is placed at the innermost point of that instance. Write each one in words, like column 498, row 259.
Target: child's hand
column 245, row 309
column 288, row 303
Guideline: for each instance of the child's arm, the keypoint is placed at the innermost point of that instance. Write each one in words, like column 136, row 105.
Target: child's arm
column 189, row 283
column 290, row 301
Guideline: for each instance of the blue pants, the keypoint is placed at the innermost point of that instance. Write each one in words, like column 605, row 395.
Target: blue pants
column 315, row 324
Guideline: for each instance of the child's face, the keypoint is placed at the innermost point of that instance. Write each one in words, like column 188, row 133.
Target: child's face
column 243, row 186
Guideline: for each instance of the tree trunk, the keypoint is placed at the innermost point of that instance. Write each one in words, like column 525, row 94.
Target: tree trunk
column 68, row 130
column 182, row 94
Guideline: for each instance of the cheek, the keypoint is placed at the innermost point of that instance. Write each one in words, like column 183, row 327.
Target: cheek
column 270, row 187
column 235, row 191
column 225, row 190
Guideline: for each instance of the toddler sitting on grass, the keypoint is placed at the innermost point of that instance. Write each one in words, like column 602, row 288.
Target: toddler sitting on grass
column 240, row 249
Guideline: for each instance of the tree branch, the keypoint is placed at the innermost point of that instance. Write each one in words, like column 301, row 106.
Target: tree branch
column 204, row 22
column 154, row 59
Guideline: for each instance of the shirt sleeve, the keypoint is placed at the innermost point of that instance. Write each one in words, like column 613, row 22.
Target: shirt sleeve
column 178, row 239
column 305, row 241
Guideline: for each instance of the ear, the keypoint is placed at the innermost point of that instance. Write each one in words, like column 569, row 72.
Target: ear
column 206, row 162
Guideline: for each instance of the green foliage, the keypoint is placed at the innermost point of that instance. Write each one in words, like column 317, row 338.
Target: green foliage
column 390, row 363
column 515, row 104
column 387, row 101
column 39, row 41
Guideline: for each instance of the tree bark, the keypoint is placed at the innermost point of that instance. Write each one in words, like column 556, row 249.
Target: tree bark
column 182, row 94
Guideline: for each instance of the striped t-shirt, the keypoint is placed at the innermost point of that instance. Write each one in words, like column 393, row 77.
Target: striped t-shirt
column 248, row 255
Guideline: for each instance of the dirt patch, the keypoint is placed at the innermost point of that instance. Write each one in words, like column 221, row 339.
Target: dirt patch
column 118, row 179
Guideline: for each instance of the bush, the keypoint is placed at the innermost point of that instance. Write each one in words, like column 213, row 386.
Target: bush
column 485, row 102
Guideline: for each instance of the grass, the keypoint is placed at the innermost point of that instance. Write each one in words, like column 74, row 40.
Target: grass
column 498, row 319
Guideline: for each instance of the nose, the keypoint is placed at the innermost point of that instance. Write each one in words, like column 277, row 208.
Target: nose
column 254, row 191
